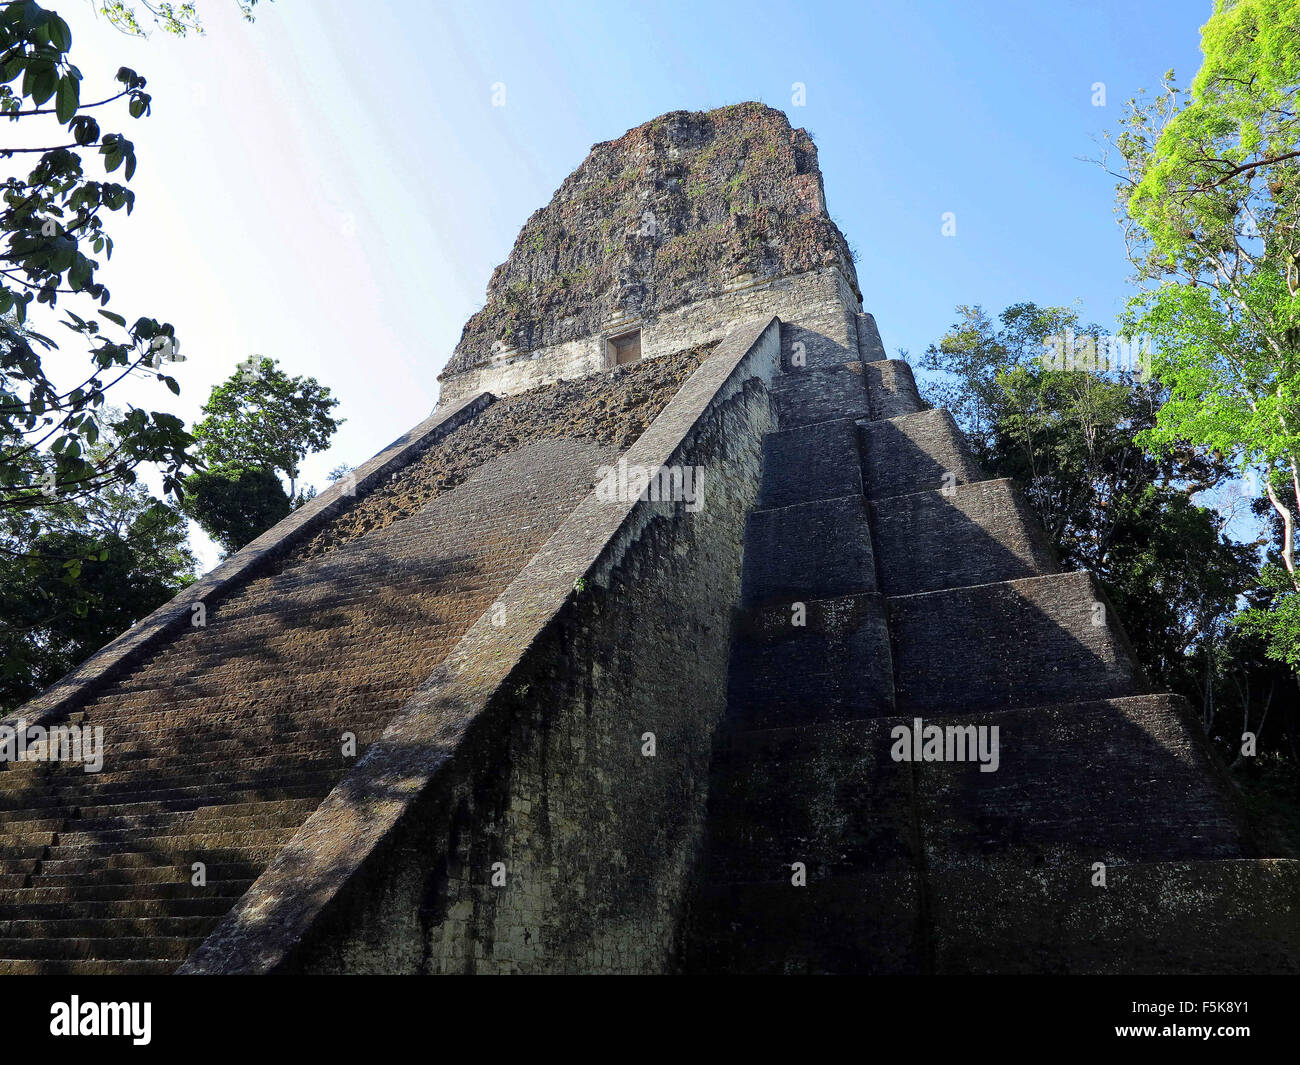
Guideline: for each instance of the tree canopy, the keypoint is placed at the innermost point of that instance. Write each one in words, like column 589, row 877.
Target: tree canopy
column 1209, row 194
column 258, row 423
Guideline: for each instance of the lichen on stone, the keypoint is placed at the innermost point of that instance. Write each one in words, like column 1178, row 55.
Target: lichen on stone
column 674, row 211
column 612, row 408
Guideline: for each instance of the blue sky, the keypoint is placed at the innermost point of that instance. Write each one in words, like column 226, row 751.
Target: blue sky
column 333, row 187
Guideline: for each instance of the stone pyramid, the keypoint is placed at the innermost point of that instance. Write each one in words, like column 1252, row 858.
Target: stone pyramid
column 682, row 637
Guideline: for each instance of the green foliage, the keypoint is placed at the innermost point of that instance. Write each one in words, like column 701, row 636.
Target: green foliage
column 53, row 239
column 257, row 423
column 1067, row 436
column 1277, row 621
column 1216, row 164
column 176, row 19
column 235, row 504
column 77, row 571
column 1210, row 195
column 261, row 418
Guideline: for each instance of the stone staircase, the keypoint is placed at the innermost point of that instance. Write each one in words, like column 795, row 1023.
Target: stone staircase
column 887, row 579
column 219, row 746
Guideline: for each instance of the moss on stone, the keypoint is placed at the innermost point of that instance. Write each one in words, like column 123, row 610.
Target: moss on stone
column 671, row 212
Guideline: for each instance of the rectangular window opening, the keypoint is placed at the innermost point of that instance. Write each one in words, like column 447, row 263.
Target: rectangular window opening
column 623, row 350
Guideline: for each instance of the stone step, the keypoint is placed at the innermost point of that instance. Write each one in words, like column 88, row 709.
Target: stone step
column 1012, row 644
column 86, row 967
column 211, row 683
column 207, row 712
column 183, row 848
column 808, row 551
column 206, row 819
column 208, row 760
column 57, row 796
column 805, row 397
column 819, row 461
column 244, row 807
column 23, row 827
column 1234, row 917
column 825, row 795
column 209, row 707
column 95, row 892
column 835, row 666
column 134, row 947
column 870, row 346
column 1117, row 780
column 210, row 743
column 16, row 852
column 866, row 924
column 977, row 533
column 891, row 389
column 261, row 784
column 160, row 874
column 80, row 833
column 177, row 776
column 915, row 453
column 37, row 807
column 143, row 863
column 98, row 929
column 817, row 340
column 214, row 906
column 219, row 837
column 16, row 835
column 209, row 737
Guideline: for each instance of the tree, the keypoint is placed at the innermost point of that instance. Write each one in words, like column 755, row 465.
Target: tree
column 76, row 572
column 1273, row 615
column 262, row 418
column 235, row 504
column 1209, row 193
column 1068, row 437
column 84, row 551
column 54, row 237
column 259, row 422
column 176, row 19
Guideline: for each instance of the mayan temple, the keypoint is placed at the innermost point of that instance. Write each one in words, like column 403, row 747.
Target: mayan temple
column 682, row 637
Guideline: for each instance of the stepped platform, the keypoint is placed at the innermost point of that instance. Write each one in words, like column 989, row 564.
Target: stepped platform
column 222, row 742
column 837, row 844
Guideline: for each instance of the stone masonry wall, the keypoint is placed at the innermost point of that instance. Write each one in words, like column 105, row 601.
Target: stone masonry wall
column 222, row 739
column 612, row 411
column 538, row 763
column 820, row 301
column 684, row 208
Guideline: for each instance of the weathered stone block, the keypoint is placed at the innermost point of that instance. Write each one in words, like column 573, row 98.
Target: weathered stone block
column 915, row 453
column 1119, row 780
column 809, row 551
column 891, row 389
column 859, row 924
column 975, row 534
column 808, row 396
column 1224, row 917
column 835, row 667
column 870, row 347
column 825, row 795
column 812, row 462
column 1007, row 645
